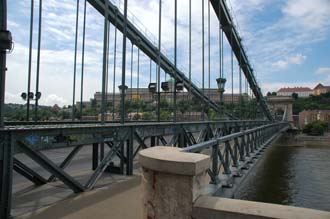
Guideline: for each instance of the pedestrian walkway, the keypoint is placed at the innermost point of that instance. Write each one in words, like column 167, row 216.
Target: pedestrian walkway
column 120, row 200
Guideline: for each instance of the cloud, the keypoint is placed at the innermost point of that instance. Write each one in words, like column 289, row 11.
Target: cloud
column 271, row 43
column 306, row 14
column 296, row 59
column 53, row 99
column 291, row 26
column 323, row 70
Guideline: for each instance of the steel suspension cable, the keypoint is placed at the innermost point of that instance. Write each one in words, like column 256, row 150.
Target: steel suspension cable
column 123, row 74
column 83, row 60
column 138, row 81
column 247, row 94
column 203, row 89
column 104, row 66
column 209, row 46
column 131, row 77
column 240, row 85
column 222, row 57
column 232, row 70
column 37, row 96
column 219, row 41
column 175, row 54
column 158, row 58
column 75, row 63
column 114, row 72
column 150, row 68
column 189, row 98
column 107, row 70
column 30, row 63
column 104, row 71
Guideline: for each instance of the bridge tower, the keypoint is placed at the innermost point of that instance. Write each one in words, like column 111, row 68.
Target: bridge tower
column 279, row 104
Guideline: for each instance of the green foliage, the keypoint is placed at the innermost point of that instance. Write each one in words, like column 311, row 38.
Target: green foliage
column 295, row 96
column 138, row 105
column 147, row 116
column 183, row 106
column 321, row 102
column 243, row 110
column 212, row 114
column 17, row 112
column 136, row 117
column 271, row 94
column 165, row 115
column 315, row 128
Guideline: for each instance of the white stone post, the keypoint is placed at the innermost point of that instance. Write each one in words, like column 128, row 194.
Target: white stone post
column 171, row 181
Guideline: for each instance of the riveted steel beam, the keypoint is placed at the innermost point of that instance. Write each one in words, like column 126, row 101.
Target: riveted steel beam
column 28, row 173
column 48, row 165
column 6, row 173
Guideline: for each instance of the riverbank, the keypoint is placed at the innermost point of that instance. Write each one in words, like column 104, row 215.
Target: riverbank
column 301, row 140
column 304, row 140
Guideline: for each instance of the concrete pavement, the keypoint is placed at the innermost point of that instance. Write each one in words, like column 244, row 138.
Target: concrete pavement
column 120, row 200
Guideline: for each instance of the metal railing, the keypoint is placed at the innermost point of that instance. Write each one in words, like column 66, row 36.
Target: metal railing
column 233, row 152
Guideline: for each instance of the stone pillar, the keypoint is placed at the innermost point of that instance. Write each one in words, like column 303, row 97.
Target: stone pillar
column 171, row 181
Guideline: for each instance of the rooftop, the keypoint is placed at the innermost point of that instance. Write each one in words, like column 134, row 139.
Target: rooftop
column 319, row 86
column 295, row 89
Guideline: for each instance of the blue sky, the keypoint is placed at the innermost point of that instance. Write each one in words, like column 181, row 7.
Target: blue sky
column 287, row 41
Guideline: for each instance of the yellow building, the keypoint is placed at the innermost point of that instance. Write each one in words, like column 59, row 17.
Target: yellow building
column 321, row 89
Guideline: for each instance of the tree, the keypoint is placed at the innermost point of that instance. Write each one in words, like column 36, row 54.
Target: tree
column 295, row 96
column 165, row 115
column 315, row 128
column 93, row 103
column 146, row 116
column 183, row 106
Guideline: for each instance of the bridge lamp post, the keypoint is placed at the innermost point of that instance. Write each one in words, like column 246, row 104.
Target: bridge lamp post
column 221, row 82
column 30, row 96
column 122, row 91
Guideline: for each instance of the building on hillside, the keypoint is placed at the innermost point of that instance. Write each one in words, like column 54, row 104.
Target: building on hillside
column 143, row 94
column 321, row 89
column 56, row 108
column 85, row 104
column 308, row 116
column 301, row 91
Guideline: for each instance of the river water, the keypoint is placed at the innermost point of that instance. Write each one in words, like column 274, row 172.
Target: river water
column 291, row 175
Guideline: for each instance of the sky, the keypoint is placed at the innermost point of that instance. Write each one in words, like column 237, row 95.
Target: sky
column 287, row 43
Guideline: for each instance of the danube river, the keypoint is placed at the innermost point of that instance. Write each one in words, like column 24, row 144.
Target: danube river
column 291, row 175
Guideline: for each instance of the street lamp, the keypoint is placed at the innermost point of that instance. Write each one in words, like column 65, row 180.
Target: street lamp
column 165, row 86
column 221, row 87
column 179, row 86
column 122, row 90
column 30, row 96
column 152, row 87
column 120, row 87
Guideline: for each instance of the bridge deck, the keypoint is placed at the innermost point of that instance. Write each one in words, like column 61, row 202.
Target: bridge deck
column 120, row 199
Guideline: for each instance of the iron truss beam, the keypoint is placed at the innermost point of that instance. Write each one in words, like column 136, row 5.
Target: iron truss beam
column 41, row 137
column 238, row 49
column 32, row 139
column 150, row 49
